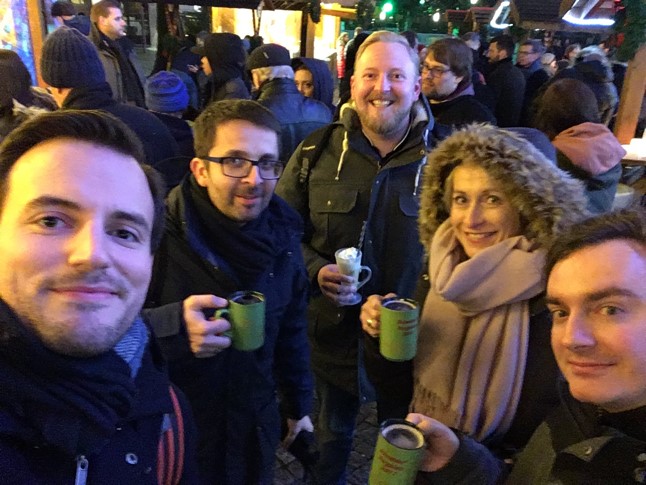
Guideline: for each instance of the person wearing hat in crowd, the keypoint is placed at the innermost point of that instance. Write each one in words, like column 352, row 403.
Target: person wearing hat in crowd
column 120, row 63
column 71, row 67
column 64, row 13
column 167, row 99
column 223, row 59
column 314, row 80
column 273, row 79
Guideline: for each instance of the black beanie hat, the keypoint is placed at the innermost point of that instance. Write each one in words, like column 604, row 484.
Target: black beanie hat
column 268, row 55
column 70, row 60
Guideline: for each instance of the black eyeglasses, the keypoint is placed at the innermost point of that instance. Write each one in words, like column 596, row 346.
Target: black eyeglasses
column 239, row 167
column 434, row 71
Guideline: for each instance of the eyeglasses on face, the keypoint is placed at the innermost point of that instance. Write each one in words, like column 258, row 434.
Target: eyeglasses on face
column 239, row 167
column 434, row 71
column 526, row 53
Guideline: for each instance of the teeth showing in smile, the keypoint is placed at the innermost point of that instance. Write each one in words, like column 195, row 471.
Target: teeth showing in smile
column 479, row 236
column 381, row 103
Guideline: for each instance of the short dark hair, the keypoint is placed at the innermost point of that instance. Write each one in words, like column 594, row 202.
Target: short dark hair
column 628, row 225
column 411, row 37
column 90, row 126
column 504, row 42
column 564, row 104
column 102, row 9
column 454, row 53
column 62, row 8
column 228, row 110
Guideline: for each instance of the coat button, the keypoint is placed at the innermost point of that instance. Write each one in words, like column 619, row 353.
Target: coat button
column 131, row 459
column 329, row 202
column 588, row 451
column 271, row 275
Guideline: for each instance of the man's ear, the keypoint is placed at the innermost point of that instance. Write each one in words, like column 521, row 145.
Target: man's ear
column 200, row 171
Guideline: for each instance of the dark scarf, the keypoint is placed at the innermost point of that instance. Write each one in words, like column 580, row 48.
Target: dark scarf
column 129, row 79
column 74, row 404
column 248, row 250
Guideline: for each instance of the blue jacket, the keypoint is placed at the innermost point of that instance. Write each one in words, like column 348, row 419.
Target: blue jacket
column 233, row 394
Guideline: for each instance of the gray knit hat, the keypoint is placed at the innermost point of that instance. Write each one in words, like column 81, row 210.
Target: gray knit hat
column 70, row 60
column 166, row 93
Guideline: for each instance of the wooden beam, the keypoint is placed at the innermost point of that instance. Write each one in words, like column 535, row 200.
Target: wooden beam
column 632, row 96
column 37, row 30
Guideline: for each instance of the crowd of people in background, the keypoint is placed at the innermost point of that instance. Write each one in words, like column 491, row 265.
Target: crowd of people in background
column 477, row 180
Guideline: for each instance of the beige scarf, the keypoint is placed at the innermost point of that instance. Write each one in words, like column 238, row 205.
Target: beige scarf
column 474, row 331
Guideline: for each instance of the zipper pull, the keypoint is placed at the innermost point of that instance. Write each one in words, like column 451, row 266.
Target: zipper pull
column 81, row 470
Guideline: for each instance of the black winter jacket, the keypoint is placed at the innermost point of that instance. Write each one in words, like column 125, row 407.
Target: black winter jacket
column 339, row 197
column 298, row 116
column 157, row 140
column 43, row 414
column 233, row 394
column 508, row 85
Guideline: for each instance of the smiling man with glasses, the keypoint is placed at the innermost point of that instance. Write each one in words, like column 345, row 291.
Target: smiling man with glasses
column 446, row 82
column 227, row 232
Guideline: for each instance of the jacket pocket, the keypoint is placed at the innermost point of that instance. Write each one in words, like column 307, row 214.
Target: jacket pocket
column 409, row 205
column 334, row 217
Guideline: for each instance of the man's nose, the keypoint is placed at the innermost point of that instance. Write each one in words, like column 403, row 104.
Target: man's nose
column 254, row 177
column 89, row 247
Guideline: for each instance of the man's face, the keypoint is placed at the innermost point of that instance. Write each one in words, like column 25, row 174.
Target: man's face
column 494, row 54
column 240, row 199
column 384, row 87
column 75, row 243
column 438, row 81
column 597, row 298
column 526, row 55
column 113, row 26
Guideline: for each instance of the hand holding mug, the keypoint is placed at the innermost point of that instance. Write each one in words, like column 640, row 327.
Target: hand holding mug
column 204, row 334
column 371, row 314
column 348, row 261
column 441, row 442
column 337, row 287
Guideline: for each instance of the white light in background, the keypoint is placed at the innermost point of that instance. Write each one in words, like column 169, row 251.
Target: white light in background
column 494, row 20
column 436, row 17
column 473, row 2
column 568, row 17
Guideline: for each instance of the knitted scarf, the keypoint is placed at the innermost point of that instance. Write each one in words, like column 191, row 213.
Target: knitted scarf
column 248, row 250
column 74, row 404
column 474, row 333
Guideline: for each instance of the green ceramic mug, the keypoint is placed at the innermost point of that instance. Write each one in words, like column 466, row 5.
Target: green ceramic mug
column 246, row 313
column 399, row 328
column 398, row 454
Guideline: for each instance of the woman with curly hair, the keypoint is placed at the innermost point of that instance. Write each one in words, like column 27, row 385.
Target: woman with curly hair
column 491, row 204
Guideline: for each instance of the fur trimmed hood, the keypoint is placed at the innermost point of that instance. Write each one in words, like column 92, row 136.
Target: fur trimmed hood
column 548, row 199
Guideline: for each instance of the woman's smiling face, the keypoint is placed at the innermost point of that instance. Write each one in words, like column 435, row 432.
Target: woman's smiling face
column 481, row 213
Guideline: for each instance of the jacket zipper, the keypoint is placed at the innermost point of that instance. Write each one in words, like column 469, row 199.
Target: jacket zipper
column 81, row 470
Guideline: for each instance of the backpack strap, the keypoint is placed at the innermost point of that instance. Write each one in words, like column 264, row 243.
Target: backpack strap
column 170, row 450
column 316, row 142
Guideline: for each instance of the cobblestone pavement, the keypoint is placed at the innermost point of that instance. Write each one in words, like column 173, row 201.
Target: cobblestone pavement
column 289, row 471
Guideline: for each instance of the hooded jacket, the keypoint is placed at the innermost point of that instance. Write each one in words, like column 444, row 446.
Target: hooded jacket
column 226, row 57
column 233, row 394
column 322, row 79
column 591, row 153
column 351, row 184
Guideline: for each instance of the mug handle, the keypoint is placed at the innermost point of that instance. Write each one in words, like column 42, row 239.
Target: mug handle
column 224, row 313
column 363, row 281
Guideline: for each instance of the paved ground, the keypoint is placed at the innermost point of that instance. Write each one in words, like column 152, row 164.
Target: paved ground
column 289, row 471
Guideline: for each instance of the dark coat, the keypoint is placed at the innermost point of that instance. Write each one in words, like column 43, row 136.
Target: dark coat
column 127, row 455
column 298, row 116
column 461, row 111
column 535, row 77
column 508, row 85
column 233, row 394
column 576, row 444
column 157, row 140
column 334, row 206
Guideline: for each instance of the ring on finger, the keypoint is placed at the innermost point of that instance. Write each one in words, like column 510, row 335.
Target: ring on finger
column 371, row 323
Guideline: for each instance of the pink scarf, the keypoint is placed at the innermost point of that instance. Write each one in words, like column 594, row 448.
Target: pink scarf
column 474, row 332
